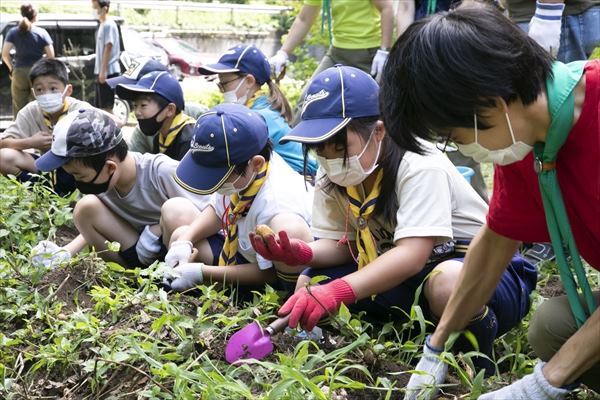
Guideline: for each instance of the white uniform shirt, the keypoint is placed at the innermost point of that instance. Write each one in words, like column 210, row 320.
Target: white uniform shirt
column 284, row 191
column 434, row 201
column 154, row 184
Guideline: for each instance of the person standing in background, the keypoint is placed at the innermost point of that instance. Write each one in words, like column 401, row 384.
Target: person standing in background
column 108, row 48
column 360, row 36
column 570, row 31
column 31, row 43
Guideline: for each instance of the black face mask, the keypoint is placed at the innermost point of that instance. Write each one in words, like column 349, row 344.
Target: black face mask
column 94, row 188
column 150, row 126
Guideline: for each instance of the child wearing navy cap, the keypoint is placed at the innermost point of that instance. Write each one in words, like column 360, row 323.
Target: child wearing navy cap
column 243, row 71
column 388, row 220
column 158, row 104
column 231, row 154
column 124, row 191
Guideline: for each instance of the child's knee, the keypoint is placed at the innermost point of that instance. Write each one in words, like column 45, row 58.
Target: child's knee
column 86, row 207
column 8, row 160
column 177, row 211
column 440, row 284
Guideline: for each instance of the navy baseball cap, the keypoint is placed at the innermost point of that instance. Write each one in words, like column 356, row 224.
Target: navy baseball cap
column 136, row 70
column 81, row 133
column 246, row 58
column 225, row 136
column 157, row 82
column 333, row 98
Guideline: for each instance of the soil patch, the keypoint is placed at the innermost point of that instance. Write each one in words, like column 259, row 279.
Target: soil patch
column 69, row 285
column 553, row 288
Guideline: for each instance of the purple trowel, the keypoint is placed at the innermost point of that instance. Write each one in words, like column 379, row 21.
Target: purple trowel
column 253, row 341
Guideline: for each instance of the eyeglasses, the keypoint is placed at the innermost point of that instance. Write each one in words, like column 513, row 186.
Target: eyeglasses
column 221, row 85
column 443, row 145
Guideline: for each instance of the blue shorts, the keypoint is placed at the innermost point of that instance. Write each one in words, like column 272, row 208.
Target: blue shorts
column 216, row 243
column 510, row 301
column 285, row 281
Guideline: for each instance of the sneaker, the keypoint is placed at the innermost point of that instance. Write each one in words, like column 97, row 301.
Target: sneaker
column 539, row 252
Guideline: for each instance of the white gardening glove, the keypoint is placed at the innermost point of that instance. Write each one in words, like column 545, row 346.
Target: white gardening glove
column 183, row 277
column 530, row 387
column 545, row 25
column 148, row 246
column 48, row 254
column 378, row 64
column 179, row 252
column 279, row 60
column 424, row 386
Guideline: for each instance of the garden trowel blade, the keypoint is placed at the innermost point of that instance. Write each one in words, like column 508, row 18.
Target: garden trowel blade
column 252, row 341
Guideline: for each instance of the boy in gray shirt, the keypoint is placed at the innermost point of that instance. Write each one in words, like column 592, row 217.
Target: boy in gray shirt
column 125, row 191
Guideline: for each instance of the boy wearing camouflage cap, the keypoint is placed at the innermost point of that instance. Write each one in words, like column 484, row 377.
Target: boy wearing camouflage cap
column 124, row 191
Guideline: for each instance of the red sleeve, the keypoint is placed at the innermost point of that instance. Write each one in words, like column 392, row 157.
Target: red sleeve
column 516, row 210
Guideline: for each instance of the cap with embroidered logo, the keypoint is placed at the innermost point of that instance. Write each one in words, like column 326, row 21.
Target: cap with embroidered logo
column 225, row 136
column 137, row 68
column 82, row 133
column 157, row 82
column 241, row 58
column 333, row 98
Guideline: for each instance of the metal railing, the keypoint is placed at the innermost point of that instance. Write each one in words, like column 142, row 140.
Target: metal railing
column 170, row 5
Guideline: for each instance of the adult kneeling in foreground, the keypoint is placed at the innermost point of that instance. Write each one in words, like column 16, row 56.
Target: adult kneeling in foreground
column 496, row 93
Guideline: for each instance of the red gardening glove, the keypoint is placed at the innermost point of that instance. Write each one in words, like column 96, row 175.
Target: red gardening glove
column 290, row 252
column 308, row 305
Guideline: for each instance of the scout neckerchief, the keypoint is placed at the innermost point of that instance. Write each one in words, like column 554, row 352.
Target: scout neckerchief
column 326, row 17
column 561, row 103
column 431, row 7
column 177, row 125
column 362, row 210
column 255, row 96
column 239, row 203
column 48, row 116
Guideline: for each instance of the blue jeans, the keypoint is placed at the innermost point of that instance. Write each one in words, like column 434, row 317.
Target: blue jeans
column 580, row 34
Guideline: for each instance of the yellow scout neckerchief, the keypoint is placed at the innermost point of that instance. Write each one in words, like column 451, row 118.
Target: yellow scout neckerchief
column 47, row 116
column 177, row 125
column 239, row 203
column 362, row 210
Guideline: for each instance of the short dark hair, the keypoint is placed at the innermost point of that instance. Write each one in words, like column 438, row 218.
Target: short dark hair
column 240, row 169
column 97, row 161
column 160, row 100
column 103, row 3
column 446, row 67
column 389, row 161
column 49, row 67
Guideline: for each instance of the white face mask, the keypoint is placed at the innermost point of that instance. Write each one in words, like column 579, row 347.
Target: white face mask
column 228, row 188
column 96, row 13
column 231, row 96
column 51, row 102
column 513, row 153
column 353, row 172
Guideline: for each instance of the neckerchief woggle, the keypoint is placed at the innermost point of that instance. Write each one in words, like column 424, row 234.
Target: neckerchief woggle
column 561, row 104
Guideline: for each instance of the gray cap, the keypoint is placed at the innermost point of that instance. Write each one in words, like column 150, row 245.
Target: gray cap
column 82, row 133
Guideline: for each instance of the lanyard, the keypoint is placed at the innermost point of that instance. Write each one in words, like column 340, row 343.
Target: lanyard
column 561, row 103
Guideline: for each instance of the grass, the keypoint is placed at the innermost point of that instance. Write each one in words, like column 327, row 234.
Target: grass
column 93, row 329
